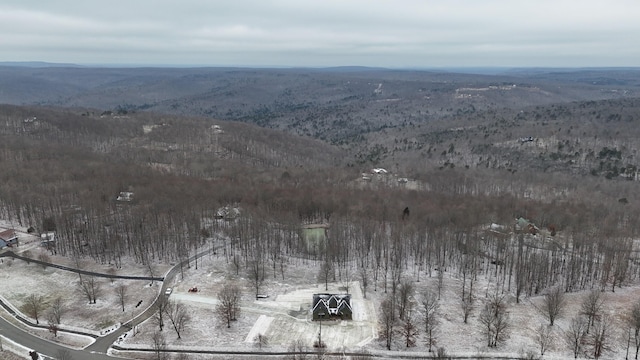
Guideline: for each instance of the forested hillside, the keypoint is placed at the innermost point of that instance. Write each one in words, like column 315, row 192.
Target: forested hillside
column 65, row 165
column 530, row 197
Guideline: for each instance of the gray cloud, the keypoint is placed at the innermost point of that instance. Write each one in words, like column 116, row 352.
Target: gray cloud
column 324, row 33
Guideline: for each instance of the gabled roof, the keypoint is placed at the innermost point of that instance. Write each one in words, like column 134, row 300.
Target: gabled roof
column 7, row 235
column 332, row 303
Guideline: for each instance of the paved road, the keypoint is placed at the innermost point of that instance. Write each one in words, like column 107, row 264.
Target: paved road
column 97, row 350
column 102, row 344
column 79, row 271
column 44, row 347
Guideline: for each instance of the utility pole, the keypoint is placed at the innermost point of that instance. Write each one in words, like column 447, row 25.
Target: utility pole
column 320, row 344
column 320, row 334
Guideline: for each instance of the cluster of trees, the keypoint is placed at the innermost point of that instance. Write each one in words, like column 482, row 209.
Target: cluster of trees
column 401, row 318
column 36, row 306
column 70, row 186
column 173, row 312
column 177, row 315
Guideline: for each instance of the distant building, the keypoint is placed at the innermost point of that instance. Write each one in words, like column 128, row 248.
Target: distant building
column 126, row 196
column 523, row 225
column 332, row 307
column 8, row 238
column 48, row 240
column 228, row 212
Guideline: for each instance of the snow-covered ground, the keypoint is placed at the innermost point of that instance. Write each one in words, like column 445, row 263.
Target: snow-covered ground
column 12, row 350
column 284, row 316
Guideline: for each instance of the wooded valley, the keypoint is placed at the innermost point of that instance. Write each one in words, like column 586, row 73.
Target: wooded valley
column 536, row 193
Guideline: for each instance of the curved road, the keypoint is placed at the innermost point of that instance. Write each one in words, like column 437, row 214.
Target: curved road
column 44, row 347
column 78, row 271
column 97, row 350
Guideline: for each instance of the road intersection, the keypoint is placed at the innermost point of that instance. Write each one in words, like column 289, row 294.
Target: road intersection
column 98, row 349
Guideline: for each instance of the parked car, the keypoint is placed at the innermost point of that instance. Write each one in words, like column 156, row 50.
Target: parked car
column 168, row 291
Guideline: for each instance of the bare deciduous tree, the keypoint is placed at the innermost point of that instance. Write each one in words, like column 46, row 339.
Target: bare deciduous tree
column 591, row 306
column 178, row 316
column 161, row 308
column 495, row 321
column 574, row 335
column 90, row 288
column 466, row 306
column 256, row 275
column 634, row 323
column 53, row 328
column 544, row 337
column 441, row 283
column 364, row 280
column 33, row 306
column 326, row 272
column 159, row 346
column 121, row 293
column 387, row 321
column 345, row 279
column 403, row 297
column 430, row 306
column 228, row 309
column 600, row 337
column 56, row 310
column 553, row 304
column 297, row 350
column 408, row 330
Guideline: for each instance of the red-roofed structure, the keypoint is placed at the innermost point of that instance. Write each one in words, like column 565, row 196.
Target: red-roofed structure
column 8, row 238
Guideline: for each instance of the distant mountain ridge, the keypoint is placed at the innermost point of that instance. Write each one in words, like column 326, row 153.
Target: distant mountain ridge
column 378, row 116
column 37, row 64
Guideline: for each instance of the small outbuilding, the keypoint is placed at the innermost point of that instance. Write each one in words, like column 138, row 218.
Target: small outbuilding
column 48, row 240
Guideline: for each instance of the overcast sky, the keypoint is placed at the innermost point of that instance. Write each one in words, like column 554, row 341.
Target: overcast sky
column 398, row 33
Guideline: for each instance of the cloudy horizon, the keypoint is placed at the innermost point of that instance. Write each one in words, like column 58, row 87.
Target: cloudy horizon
column 403, row 33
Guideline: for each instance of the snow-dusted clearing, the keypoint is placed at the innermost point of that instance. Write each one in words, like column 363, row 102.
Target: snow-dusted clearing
column 284, row 316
